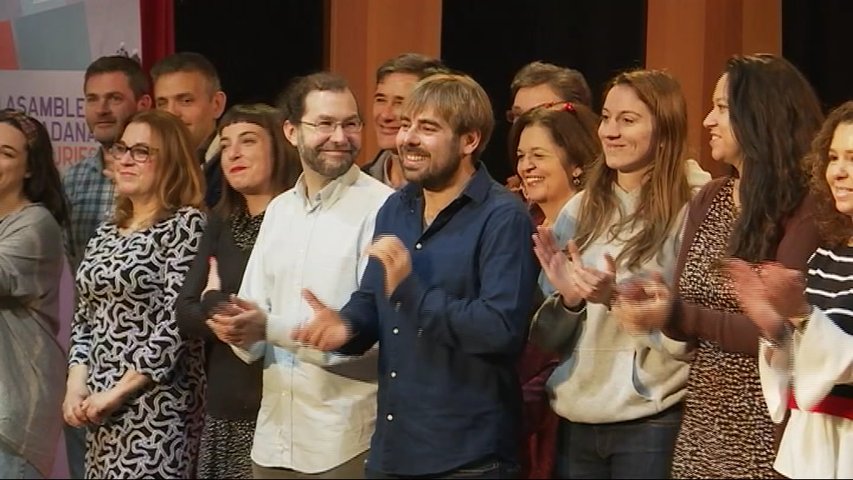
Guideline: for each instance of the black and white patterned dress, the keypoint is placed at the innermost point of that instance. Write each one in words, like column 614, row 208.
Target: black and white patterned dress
column 125, row 319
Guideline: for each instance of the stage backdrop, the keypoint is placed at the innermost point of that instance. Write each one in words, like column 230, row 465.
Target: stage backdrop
column 45, row 47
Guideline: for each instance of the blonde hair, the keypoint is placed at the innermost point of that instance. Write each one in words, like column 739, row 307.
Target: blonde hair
column 666, row 190
column 178, row 180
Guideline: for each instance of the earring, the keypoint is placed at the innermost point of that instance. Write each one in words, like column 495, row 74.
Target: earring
column 576, row 181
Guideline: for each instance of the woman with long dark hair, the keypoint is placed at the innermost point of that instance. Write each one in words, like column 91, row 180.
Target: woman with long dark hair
column 32, row 212
column 764, row 117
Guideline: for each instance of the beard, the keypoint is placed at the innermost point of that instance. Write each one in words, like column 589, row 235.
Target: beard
column 437, row 175
column 326, row 165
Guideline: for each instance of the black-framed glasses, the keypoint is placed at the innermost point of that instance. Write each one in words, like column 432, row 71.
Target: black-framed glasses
column 328, row 127
column 140, row 152
column 512, row 115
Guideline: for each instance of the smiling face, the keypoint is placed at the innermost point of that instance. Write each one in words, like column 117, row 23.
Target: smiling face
column 839, row 170
column 13, row 161
column 134, row 178
column 430, row 152
column 541, row 166
column 328, row 154
column 247, row 157
column 387, row 100
column 724, row 145
column 626, row 130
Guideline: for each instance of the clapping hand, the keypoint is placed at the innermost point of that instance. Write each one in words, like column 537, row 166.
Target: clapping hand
column 326, row 330
column 572, row 279
column 643, row 303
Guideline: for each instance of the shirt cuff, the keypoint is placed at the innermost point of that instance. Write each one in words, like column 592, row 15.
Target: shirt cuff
column 278, row 332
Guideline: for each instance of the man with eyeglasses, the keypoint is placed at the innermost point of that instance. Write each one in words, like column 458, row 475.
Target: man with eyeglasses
column 114, row 88
column 317, row 410
column 446, row 294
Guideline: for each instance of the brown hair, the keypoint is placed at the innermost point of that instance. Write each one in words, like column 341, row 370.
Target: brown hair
column 458, row 99
column 665, row 192
column 573, row 128
column 835, row 228
column 286, row 166
column 568, row 83
column 415, row 64
column 178, row 180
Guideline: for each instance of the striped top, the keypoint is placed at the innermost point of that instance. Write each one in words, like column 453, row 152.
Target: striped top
column 830, row 288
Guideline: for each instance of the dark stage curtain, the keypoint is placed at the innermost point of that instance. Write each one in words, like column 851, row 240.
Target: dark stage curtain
column 158, row 30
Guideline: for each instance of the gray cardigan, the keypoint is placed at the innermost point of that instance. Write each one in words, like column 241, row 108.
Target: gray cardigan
column 32, row 363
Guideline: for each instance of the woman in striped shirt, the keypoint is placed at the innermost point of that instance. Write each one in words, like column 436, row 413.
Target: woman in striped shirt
column 808, row 366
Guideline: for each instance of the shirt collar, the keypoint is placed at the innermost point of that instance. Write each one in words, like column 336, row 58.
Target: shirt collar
column 96, row 161
column 329, row 194
column 477, row 188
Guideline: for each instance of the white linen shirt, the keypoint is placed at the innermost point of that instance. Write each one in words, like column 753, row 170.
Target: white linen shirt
column 317, row 410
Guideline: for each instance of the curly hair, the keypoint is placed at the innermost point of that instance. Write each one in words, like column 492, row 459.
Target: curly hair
column 835, row 228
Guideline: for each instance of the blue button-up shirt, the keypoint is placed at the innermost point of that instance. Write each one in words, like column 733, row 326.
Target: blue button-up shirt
column 451, row 334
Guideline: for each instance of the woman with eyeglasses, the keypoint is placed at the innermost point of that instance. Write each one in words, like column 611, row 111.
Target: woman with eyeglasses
column 552, row 147
column 618, row 395
column 257, row 164
column 132, row 380
column 32, row 211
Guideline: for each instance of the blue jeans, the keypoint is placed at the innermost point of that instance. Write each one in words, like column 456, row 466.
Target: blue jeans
column 639, row 448
column 16, row 467
column 489, row 468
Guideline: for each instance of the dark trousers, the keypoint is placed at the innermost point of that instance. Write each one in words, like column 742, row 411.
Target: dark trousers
column 635, row 449
column 75, row 449
column 488, row 468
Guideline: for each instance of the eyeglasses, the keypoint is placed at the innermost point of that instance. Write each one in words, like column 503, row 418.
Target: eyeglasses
column 512, row 115
column 140, row 153
column 328, row 127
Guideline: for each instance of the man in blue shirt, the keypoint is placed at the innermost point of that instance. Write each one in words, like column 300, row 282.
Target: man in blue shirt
column 446, row 293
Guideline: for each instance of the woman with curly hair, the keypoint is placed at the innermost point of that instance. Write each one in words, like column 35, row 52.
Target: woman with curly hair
column 811, row 372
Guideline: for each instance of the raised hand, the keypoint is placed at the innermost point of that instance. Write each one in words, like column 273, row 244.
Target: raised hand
column 556, row 266
column 596, row 286
column 642, row 304
column 395, row 257
column 326, row 330
column 754, row 297
column 239, row 322
column 785, row 288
